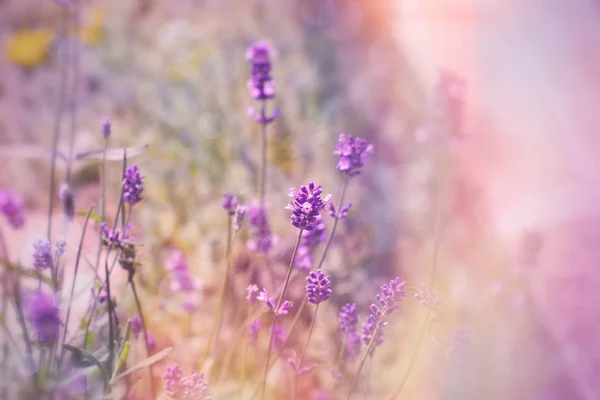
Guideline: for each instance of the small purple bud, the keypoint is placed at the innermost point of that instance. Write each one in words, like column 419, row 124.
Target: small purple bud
column 106, row 127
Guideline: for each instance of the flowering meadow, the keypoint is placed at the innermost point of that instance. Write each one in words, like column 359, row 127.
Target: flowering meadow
column 255, row 199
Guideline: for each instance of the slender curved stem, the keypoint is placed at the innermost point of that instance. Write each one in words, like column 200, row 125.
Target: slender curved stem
column 335, row 221
column 285, row 285
column 362, row 362
column 141, row 313
column 301, row 359
column 214, row 334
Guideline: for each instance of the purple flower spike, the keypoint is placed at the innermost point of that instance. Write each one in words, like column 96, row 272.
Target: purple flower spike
column 284, row 308
column 42, row 255
column 318, row 287
column 11, row 205
column 348, row 318
column 368, row 329
column 353, row 345
column 354, row 154
column 106, row 127
column 229, row 203
column 317, row 235
column 238, row 218
column 261, row 238
column 43, row 314
column 261, row 85
column 192, row 387
column 306, row 205
column 133, row 185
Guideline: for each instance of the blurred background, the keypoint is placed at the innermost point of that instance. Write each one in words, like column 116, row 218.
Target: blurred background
column 483, row 114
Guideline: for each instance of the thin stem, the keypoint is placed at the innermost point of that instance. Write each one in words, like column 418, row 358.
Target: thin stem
column 335, row 220
column 368, row 378
column 301, row 359
column 141, row 313
column 285, row 285
column 73, row 99
column 244, row 360
column 436, row 241
column 362, row 362
column 62, row 80
column 87, row 218
column 214, row 334
column 111, row 332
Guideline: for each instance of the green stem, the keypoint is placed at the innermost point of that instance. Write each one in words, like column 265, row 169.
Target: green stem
column 299, row 363
column 214, row 334
column 145, row 331
column 285, row 285
column 335, row 221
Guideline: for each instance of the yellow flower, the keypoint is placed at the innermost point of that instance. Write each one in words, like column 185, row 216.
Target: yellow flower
column 93, row 32
column 29, row 48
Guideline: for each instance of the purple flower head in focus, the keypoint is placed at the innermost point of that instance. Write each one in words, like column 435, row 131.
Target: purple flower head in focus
column 106, row 127
column 354, row 154
column 115, row 238
column 229, row 203
column 428, row 300
column 42, row 312
column 42, row 255
column 133, row 185
column 11, row 205
column 318, row 287
column 261, row 239
column 306, row 205
column 179, row 387
column 348, row 318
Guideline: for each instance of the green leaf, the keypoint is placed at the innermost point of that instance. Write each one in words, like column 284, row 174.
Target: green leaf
column 93, row 215
column 146, row 363
column 84, row 354
column 89, row 339
column 122, row 359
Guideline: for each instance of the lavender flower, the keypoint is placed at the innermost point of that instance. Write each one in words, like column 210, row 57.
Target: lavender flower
column 348, row 318
column 181, row 278
column 262, row 240
column 353, row 345
column 318, row 287
column 114, row 238
column 343, row 213
column 68, row 201
column 284, row 308
column 306, row 205
column 312, row 238
column 11, row 205
column 61, row 246
column 42, row 255
column 251, row 293
column 428, row 300
column 192, row 387
column 106, row 127
column 229, row 203
column 136, row 326
column 133, row 185
column 43, row 314
column 391, row 295
column 354, row 154
column 260, row 85
column 238, row 218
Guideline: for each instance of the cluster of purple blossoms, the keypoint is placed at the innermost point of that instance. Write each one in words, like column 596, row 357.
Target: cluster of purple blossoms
column 42, row 255
column 348, row 320
column 229, row 203
column 260, row 84
column 42, row 311
column 11, row 205
column 354, row 154
column 182, row 280
column 262, row 239
column 391, row 295
column 310, row 240
column 133, row 185
column 306, row 205
column 428, row 300
column 115, row 238
column 179, row 387
column 318, row 287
